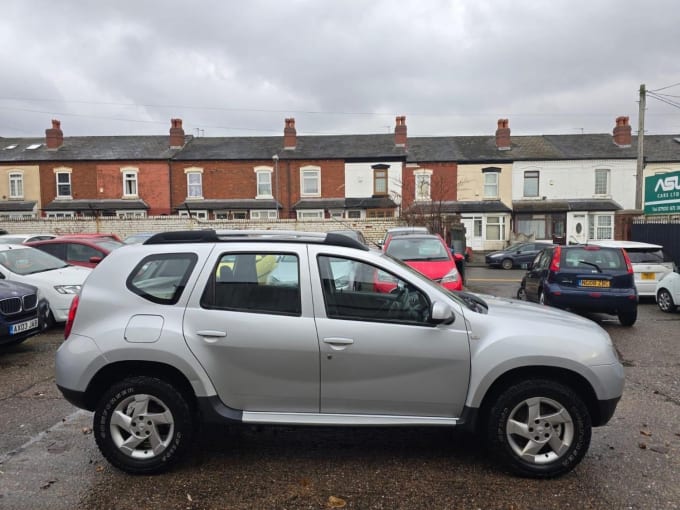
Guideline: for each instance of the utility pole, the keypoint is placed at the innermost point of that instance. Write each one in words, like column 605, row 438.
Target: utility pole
column 639, row 181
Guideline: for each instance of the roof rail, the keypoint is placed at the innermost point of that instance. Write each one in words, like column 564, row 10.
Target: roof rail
column 214, row 236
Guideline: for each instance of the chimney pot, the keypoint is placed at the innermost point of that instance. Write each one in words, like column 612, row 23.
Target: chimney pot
column 623, row 132
column 503, row 135
column 54, row 136
column 289, row 135
column 400, row 132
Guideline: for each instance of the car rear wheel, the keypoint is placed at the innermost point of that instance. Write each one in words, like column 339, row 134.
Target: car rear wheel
column 539, row 428
column 665, row 301
column 522, row 294
column 628, row 318
column 506, row 264
column 541, row 297
column 143, row 425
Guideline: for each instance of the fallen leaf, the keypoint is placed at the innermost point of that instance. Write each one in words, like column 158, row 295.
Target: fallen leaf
column 642, row 446
column 646, row 433
column 99, row 469
column 334, row 502
column 189, row 497
column 86, row 430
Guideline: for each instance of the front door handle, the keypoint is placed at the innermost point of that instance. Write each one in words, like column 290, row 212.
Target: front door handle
column 211, row 333
column 338, row 343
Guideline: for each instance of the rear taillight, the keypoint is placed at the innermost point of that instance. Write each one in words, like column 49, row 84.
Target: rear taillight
column 629, row 266
column 71, row 316
column 555, row 262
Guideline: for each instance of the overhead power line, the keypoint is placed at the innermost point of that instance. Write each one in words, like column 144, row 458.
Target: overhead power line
column 664, row 88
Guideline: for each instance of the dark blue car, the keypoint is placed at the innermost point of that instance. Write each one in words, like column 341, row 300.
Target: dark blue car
column 583, row 278
column 22, row 312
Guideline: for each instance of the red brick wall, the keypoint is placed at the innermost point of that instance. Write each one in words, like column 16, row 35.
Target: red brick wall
column 443, row 184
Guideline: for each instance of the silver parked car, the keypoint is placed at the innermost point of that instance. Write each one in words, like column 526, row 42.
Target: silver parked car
column 189, row 327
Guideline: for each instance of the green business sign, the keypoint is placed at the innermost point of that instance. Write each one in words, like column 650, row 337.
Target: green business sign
column 662, row 194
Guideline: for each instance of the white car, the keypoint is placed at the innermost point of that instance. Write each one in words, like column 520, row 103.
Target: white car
column 24, row 238
column 57, row 281
column 668, row 292
column 650, row 263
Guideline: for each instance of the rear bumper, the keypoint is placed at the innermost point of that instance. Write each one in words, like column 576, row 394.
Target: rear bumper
column 591, row 300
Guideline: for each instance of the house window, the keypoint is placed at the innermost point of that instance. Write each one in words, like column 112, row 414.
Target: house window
column 263, row 214
column 264, row 182
column 600, row 226
column 194, row 182
column 131, row 214
column 310, row 215
column 490, row 184
column 61, row 214
column 601, row 181
column 379, row 213
column 129, row 183
column 231, row 215
column 201, row 215
column 336, row 213
column 423, row 180
column 531, row 183
column 354, row 214
column 380, row 180
column 310, row 181
column 63, row 184
column 16, row 185
column 495, row 228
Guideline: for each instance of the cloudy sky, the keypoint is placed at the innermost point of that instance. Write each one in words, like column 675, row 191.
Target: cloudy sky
column 239, row 68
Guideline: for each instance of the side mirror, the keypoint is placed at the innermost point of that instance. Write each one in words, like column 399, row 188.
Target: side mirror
column 441, row 313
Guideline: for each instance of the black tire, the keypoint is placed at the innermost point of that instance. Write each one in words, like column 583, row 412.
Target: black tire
column 541, row 298
column 627, row 319
column 544, row 419
column 665, row 301
column 169, row 424
column 507, row 264
column 522, row 294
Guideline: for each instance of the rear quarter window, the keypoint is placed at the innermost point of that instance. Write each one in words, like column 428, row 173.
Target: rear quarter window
column 161, row 278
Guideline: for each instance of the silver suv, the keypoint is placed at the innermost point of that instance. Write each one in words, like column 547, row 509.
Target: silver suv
column 290, row 328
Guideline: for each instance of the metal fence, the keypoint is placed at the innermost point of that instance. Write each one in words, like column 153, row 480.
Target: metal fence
column 663, row 231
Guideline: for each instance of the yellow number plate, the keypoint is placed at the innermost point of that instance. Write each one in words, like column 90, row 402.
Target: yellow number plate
column 594, row 283
column 647, row 276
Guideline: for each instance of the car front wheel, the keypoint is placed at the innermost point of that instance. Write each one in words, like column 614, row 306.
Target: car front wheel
column 143, row 425
column 665, row 301
column 506, row 264
column 539, row 428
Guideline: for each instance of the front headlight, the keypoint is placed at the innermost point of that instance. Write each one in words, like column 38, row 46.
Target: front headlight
column 67, row 289
column 451, row 276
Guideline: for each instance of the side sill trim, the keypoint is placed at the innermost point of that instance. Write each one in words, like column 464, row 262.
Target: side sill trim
column 344, row 419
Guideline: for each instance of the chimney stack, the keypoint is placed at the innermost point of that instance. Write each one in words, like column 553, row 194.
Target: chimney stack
column 176, row 134
column 623, row 132
column 503, row 135
column 289, row 135
column 54, row 136
column 400, row 132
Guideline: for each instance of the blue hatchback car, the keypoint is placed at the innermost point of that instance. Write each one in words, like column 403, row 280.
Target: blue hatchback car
column 22, row 312
column 583, row 278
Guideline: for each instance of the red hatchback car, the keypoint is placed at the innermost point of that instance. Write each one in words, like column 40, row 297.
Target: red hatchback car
column 79, row 250
column 427, row 254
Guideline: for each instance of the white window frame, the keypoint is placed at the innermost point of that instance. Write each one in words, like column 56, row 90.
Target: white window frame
column 263, row 178
column 310, row 214
column 598, row 191
column 61, row 214
column 63, row 171
column 130, row 175
column 130, row 214
column 493, row 176
column 500, row 224
column 199, row 214
column 16, row 184
column 337, row 213
column 355, row 214
column 194, row 190
column 263, row 214
column 423, row 185
column 601, row 226
column 310, row 173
